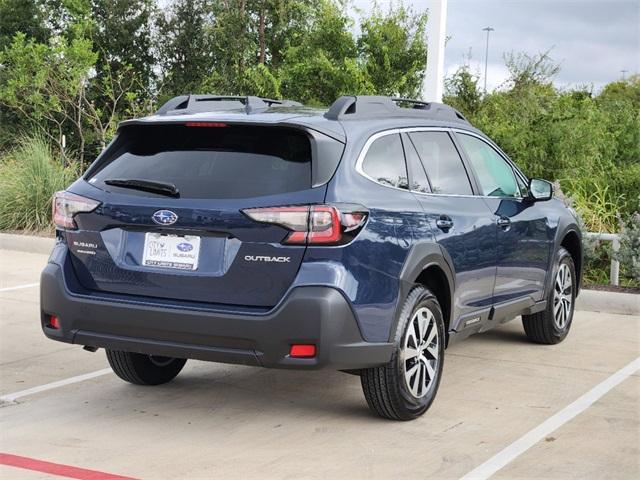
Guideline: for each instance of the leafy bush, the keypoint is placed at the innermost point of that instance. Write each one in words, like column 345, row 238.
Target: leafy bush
column 29, row 176
column 629, row 254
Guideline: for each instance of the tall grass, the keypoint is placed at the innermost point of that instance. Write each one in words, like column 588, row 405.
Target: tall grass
column 29, row 175
column 596, row 204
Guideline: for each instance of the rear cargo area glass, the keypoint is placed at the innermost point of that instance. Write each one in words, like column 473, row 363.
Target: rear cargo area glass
column 209, row 162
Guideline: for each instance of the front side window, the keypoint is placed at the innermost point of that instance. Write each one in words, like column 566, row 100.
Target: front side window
column 442, row 163
column 495, row 175
column 385, row 163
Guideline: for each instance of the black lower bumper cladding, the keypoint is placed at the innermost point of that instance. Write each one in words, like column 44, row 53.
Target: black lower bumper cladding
column 308, row 315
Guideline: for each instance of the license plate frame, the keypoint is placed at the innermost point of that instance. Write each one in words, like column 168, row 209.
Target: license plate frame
column 170, row 251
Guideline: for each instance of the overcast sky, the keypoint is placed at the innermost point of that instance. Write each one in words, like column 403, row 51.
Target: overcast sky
column 593, row 40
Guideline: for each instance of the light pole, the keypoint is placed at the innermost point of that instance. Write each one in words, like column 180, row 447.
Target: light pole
column 624, row 74
column 486, row 55
column 437, row 30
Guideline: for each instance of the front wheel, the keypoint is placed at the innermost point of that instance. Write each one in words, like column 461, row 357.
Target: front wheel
column 404, row 388
column 552, row 325
column 142, row 369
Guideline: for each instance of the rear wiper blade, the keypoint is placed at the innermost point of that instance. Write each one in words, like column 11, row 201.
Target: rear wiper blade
column 161, row 188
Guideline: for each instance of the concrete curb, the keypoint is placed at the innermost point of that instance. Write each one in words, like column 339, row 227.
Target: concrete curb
column 26, row 243
column 589, row 300
column 610, row 302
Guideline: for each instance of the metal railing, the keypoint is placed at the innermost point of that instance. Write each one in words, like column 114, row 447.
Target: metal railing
column 614, row 238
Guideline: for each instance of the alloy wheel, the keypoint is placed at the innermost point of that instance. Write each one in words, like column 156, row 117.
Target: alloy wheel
column 563, row 296
column 420, row 353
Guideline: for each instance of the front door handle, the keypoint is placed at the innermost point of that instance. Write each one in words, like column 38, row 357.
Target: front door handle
column 504, row 223
column 444, row 223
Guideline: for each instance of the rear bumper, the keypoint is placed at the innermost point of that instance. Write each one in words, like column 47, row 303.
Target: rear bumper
column 308, row 315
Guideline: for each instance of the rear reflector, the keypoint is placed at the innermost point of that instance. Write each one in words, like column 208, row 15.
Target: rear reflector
column 54, row 322
column 312, row 224
column 302, row 351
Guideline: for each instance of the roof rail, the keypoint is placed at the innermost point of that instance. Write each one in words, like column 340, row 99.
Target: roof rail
column 368, row 106
column 184, row 104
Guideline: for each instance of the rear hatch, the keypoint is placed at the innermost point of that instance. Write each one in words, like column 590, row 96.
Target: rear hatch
column 170, row 223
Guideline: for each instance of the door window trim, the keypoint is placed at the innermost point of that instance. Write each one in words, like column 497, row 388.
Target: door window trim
column 392, row 131
column 365, row 150
column 452, row 131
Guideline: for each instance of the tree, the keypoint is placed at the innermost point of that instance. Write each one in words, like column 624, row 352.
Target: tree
column 526, row 70
column 185, row 50
column 393, row 51
column 622, row 91
column 324, row 63
column 122, row 39
column 26, row 16
column 249, row 41
column 463, row 92
column 46, row 84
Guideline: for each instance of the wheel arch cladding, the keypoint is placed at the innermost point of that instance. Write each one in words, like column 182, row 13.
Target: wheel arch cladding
column 427, row 265
column 571, row 241
column 434, row 278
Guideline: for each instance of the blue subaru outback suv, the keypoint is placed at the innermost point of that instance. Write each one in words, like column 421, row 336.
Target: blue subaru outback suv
column 365, row 238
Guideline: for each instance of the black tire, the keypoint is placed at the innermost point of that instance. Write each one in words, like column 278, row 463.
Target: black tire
column 385, row 388
column 142, row 369
column 543, row 327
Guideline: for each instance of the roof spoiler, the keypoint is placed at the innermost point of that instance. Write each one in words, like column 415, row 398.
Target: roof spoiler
column 185, row 104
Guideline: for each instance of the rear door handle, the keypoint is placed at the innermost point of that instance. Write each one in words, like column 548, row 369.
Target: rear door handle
column 504, row 223
column 444, row 223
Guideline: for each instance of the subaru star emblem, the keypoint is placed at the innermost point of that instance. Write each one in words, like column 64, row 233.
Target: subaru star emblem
column 164, row 217
column 185, row 247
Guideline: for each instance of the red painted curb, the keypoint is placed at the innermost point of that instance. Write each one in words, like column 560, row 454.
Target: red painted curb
column 56, row 468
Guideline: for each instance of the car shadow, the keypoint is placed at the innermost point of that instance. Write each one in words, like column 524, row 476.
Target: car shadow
column 223, row 390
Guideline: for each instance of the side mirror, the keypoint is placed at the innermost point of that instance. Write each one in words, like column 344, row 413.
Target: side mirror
column 540, row 190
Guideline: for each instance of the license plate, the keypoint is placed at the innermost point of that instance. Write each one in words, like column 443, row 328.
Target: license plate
column 171, row 251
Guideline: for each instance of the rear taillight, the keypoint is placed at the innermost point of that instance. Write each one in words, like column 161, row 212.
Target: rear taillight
column 313, row 224
column 66, row 205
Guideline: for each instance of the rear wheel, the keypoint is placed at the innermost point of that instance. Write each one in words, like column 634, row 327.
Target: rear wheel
column 404, row 388
column 142, row 369
column 552, row 325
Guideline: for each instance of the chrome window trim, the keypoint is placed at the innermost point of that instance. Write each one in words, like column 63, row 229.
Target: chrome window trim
column 393, row 131
column 365, row 150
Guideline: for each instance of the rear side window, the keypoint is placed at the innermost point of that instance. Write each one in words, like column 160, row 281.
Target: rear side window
column 384, row 162
column 442, row 163
column 205, row 162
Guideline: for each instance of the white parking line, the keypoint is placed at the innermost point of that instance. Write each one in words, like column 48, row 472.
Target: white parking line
column 28, row 285
column 12, row 397
column 528, row 440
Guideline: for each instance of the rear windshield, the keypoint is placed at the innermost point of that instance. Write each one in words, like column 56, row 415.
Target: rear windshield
column 209, row 162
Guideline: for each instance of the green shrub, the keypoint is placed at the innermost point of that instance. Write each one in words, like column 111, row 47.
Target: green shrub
column 629, row 254
column 29, row 176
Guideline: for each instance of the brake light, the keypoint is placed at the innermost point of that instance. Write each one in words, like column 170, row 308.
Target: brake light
column 312, row 224
column 206, row 124
column 66, row 205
